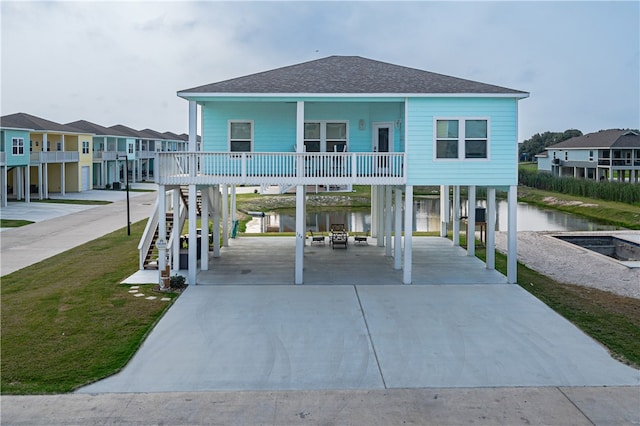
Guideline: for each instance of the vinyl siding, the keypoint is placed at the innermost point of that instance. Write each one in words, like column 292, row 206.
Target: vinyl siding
column 7, row 147
column 500, row 169
column 275, row 122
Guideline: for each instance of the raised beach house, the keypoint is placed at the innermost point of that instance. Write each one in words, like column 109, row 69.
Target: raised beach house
column 339, row 121
column 605, row 155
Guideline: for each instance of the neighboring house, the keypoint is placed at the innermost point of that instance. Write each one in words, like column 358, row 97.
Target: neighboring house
column 605, row 155
column 60, row 156
column 109, row 153
column 14, row 158
column 343, row 120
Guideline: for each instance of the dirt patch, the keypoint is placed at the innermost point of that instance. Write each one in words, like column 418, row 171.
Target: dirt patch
column 553, row 201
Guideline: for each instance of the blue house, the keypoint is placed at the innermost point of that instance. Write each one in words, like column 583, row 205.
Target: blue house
column 15, row 150
column 339, row 121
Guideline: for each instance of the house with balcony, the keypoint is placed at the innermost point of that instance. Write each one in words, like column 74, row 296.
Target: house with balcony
column 341, row 120
column 605, row 155
column 14, row 158
column 60, row 155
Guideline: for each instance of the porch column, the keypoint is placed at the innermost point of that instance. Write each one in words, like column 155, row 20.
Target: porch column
column 444, row 209
column 380, row 215
column 225, row 215
column 387, row 220
column 300, row 126
column 397, row 246
column 27, row 184
column 408, row 230
column 374, row 211
column 512, row 236
column 471, row 221
column 62, row 168
column 45, row 170
column 300, row 234
column 175, row 202
column 204, row 230
column 40, row 189
column 18, row 183
column 216, row 221
column 491, row 228
column 193, row 238
column 456, row 215
column 232, row 207
column 162, row 230
column 3, row 186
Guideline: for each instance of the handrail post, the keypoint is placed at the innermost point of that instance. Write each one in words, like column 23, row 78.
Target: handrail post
column 354, row 165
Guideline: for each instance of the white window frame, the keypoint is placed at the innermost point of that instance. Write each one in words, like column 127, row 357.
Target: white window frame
column 461, row 138
column 229, row 140
column 323, row 133
column 85, row 147
column 17, row 144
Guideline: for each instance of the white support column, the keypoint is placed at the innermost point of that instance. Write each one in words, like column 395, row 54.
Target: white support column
column 491, row 228
column 62, row 178
column 162, row 230
column 45, row 180
column 225, row 215
column 397, row 264
column 512, row 236
column 27, row 184
column 444, row 209
column 300, row 234
column 456, row 215
column 374, row 211
column 387, row 220
column 175, row 202
column 204, row 230
column 216, row 221
column 471, row 221
column 3, row 186
column 300, row 126
column 380, row 215
column 40, row 188
column 232, row 207
column 408, row 231
column 19, row 183
column 193, row 238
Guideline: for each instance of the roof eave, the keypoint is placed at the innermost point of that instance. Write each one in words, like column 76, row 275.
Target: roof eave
column 200, row 95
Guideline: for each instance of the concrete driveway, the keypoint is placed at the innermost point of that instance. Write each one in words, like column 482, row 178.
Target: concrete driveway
column 463, row 327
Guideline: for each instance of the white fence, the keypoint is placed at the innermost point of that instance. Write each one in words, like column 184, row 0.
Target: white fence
column 54, row 157
column 280, row 168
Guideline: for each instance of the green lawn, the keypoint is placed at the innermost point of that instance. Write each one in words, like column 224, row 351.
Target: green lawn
column 13, row 223
column 67, row 322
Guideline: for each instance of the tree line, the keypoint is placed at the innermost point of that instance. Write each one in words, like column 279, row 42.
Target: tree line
column 538, row 142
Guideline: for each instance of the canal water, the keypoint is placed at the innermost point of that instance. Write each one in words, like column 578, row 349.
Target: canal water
column 427, row 219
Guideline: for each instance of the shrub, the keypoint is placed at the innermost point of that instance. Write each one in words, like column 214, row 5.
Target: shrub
column 177, row 281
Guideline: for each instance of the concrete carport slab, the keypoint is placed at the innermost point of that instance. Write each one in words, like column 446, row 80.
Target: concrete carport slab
column 363, row 337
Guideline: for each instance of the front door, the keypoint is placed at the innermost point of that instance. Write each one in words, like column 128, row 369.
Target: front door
column 383, row 141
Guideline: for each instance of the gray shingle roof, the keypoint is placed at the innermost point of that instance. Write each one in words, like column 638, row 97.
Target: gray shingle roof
column 128, row 131
column 612, row 138
column 94, row 128
column 350, row 74
column 21, row 120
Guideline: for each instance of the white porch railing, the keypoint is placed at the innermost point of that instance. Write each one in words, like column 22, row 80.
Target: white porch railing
column 108, row 155
column 54, row 157
column 281, row 168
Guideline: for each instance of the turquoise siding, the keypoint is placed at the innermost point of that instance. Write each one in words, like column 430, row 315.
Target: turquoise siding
column 7, row 147
column 500, row 169
column 275, row 122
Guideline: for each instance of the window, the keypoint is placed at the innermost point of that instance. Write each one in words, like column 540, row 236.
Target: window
column 85, row 147
column 566, row 155
column 590, row 155
column 325, row 136
column 240, row 136
column 447, row 139
column 462, row 138
column 17, row 145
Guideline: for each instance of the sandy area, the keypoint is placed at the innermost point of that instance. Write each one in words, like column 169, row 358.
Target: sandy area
column 567, row 263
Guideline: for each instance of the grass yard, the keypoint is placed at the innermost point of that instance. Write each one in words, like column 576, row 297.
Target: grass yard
column 13, row 223
column 67, row 322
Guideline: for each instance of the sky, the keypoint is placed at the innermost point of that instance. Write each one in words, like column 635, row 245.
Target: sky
column 117, row 62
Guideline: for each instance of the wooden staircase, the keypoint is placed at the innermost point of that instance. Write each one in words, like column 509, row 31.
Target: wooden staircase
column 184, row 193
column 151, row 259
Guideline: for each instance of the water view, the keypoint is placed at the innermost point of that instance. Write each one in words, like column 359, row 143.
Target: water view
column 427, row 219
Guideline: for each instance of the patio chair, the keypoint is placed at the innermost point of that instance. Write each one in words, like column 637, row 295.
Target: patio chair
column 316, row 238
column 339, row 235
column 361, row 238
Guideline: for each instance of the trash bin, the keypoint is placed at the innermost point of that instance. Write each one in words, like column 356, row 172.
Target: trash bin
column 481, row 214
column 116, row 186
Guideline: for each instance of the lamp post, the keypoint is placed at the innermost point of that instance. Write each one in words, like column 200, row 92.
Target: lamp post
column 127, row 185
